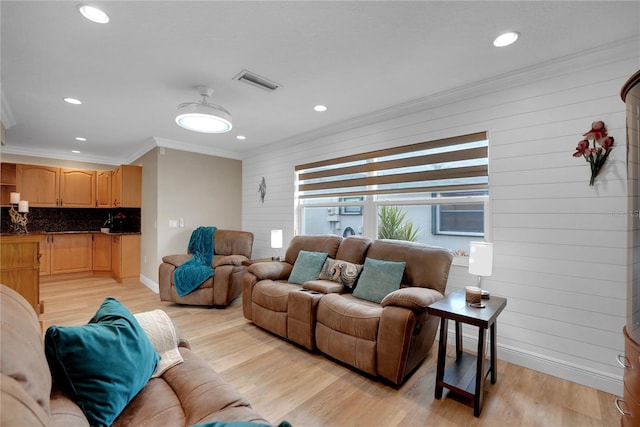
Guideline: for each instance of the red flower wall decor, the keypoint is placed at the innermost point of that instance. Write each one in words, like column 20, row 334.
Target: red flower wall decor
column 597, row 153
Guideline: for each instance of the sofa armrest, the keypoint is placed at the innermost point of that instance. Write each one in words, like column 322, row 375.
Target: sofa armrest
column 176, row 260
column 236, row 260
column 324, row 286
column 273, row 270
column 414, row 298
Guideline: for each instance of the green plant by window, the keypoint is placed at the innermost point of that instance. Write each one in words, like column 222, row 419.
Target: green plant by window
column 392, row 224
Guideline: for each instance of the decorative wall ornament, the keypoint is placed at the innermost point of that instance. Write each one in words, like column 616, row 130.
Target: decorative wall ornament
column 262, row 189
column 595, row 148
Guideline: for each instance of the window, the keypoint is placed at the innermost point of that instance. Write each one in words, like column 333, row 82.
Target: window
column 461, row 219
column 432, row 192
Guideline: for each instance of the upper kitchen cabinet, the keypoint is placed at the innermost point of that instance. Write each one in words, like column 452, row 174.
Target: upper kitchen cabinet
column 103, row 189
column 126, row 186
column 38, row 185
column 46, row 186
column 77, row 188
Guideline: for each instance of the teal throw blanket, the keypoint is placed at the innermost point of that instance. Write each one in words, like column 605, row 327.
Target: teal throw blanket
column 197, row 270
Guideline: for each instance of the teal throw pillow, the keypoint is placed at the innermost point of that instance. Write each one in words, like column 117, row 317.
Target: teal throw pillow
column 378, row 279
column 101, row 365
column 307, row 266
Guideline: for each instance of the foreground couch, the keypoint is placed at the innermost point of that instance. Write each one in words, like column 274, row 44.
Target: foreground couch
column 386, row 335
column 232, row 249
column 185, row 394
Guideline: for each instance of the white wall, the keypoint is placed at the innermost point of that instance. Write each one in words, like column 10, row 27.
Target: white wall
column 560, row 248
column 204, row 190
column 149, row 213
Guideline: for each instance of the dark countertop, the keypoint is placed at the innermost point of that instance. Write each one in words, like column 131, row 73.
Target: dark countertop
column 110, row 233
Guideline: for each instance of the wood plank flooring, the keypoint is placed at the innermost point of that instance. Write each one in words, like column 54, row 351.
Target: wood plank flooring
column 285, row 382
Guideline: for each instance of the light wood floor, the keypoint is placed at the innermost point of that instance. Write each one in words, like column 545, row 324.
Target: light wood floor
column 285, row 382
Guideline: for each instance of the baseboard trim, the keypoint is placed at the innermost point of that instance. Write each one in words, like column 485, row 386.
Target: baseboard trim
column 150, row 283
column 589, row 377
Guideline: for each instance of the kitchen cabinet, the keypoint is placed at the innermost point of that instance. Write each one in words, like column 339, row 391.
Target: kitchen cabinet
column 45, row 255
column 46, row 186
column 38, row 185
column 77, row 188
column 70, row 253
column 101, row 252
column 7, row 182
column 19, row 265
column 125, row 256
column 126, row 186
column 103, row 189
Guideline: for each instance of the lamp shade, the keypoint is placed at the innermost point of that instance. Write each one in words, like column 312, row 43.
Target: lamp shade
column 481, row 259
column 276, row 239
column 203, row 116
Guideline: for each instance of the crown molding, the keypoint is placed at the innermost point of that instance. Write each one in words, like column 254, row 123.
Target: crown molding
column 60, row 156
column 184, row 146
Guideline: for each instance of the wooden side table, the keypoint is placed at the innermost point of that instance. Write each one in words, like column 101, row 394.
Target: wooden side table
column 469, row 373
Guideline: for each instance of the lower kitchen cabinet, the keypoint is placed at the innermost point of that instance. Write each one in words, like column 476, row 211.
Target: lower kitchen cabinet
column 101, row 252
column 19, row 264
column 125, row 256
column 71, row 253
column 86, row 252
column 65, row 253
column 45, row 256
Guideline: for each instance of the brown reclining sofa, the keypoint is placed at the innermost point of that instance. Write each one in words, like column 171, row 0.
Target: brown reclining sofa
column 388, row 339
column 232, row 249
column 185, row 394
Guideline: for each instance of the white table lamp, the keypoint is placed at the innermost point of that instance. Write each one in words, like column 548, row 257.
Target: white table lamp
column 481, row 260
column 276, row 242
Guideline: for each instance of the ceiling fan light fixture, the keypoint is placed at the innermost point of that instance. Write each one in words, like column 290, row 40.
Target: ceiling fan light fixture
column 93, row 14
column 203, row 116
column 505, row 39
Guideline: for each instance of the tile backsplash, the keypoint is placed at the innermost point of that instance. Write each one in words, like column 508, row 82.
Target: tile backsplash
column 73, row 219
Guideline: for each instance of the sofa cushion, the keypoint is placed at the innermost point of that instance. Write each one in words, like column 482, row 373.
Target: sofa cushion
column 307, row 266
column 350, row 316
column 378, row 279
column 187, row 394
column 101, row 365
column 273, row 295
column 343, row 272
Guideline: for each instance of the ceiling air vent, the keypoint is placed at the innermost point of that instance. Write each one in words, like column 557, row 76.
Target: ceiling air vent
column 256, row 80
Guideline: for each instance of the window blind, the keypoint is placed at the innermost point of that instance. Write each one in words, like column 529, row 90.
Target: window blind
column 451, row 164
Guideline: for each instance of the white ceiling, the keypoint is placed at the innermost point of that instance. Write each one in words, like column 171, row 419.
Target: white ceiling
column 356, row 57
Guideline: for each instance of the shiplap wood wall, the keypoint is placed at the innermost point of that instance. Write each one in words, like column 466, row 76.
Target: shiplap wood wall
column 560, row 245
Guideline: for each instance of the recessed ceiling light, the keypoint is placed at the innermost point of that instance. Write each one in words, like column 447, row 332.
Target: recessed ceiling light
column 241, row 137
column 93, row 14
column 506, row 39
column 79, row 138
column 75, row 151
column 72, row 101
column 320, row 108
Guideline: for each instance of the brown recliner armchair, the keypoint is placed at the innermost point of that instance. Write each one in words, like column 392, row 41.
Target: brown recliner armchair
column 231, row 253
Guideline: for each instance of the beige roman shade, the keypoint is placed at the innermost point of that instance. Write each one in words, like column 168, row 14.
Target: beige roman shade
column 444, row 165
